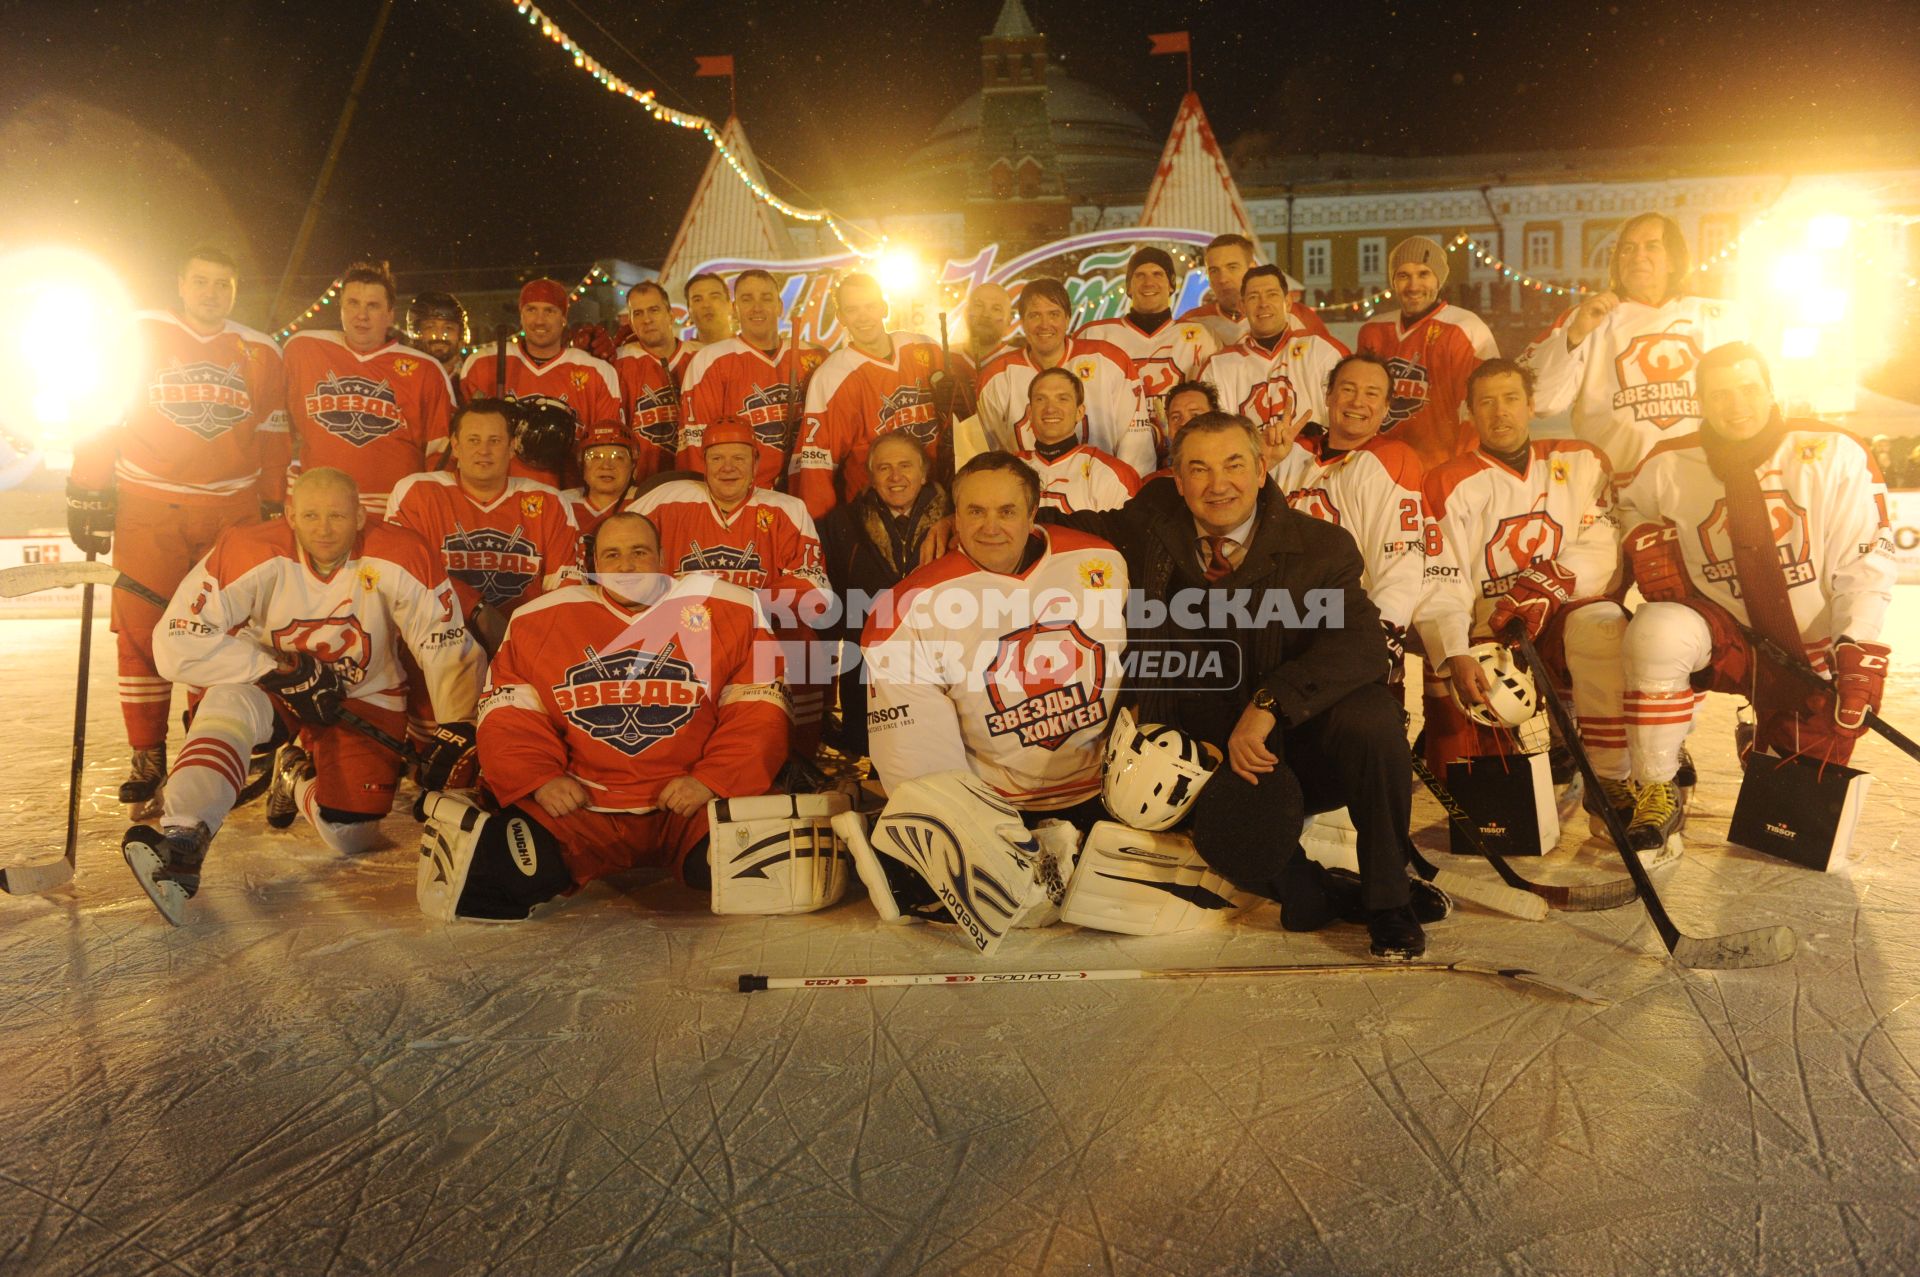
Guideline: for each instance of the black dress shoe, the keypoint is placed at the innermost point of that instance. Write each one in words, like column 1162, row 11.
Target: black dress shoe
column 1396, row 935
column 1428, row 902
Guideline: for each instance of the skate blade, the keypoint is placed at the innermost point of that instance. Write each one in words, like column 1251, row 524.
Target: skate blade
column 147, row 811
column 166, row 896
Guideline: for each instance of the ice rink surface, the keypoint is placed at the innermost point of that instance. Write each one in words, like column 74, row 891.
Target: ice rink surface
column 312, row 1078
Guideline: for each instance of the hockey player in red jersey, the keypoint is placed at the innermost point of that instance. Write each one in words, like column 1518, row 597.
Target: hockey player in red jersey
column 1003, row 656
column 876, row 384
column 437, row 324
column 614, row 713
column 1762, row 522
column 606, row 475
column 728, row 526
column 1351, row 476
column 1074, row 475
column 650, row 368
column 504, row 541
column 1431, row 347
column 298, row 620
column 1276, row 376
column 755, row 380
column 1526, row 534
column 1164, row 350
column 1228, row 258
column 1622, row 361
column 1117, row 419
column 204, row 448
column 542, row 364
column 362, row 402
column 709, row 309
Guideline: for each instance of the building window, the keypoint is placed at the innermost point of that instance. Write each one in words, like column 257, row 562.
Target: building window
column 1316, row 262
column 1542, row 252
column 1373, row 259
column 1715, row 234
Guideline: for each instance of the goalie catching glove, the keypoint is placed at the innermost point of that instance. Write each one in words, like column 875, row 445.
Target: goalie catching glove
column 947, row 843
column 311, row 689
column 1536, row 594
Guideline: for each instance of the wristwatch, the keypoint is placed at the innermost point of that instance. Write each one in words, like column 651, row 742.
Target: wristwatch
column 1263, row 699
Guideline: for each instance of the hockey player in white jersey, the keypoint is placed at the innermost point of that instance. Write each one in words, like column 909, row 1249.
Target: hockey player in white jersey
column 1165, row 351
column 1351, row 477
column 1074, row 475
column 298, row 620
column 1117, row 421
column 1527, row 535
column 1623, row 360
column 1275, row 377
column 1755, row 522
column 1003, row 656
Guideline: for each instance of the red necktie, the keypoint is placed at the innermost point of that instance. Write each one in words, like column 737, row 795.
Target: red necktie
column 1218, row 564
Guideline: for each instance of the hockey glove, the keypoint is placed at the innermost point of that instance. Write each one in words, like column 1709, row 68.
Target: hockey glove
column 593, row 339
column 1654, row 551
column 311, row 689
column 271, row 510
column 1859, row 679
column 452, row 757
column 1535, row 595
column 1396, row 652
column 90, row 518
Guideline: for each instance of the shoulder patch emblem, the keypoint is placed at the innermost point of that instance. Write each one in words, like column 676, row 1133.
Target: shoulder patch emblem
column 405, row 367
column 1096, row 573
column 531, row 503
column 579, row 378
column 1558, row 469
column 695, row 618
column 369, row 577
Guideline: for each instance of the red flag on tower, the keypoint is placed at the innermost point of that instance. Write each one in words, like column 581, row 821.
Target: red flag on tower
column 713, row 66
column 1170, row 42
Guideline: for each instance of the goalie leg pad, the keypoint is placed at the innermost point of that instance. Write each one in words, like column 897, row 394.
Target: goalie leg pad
column 1147, row 884
column 486, row 867
column 972, row 850
column 778, row 853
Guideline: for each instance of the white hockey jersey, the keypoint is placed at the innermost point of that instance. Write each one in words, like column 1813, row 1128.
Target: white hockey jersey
column 1630, row 385
column 255, row 595
column 1493, row 522
column 1117, row 421
column 1083, row 478
column 1374, row 493
column 1287, row 387
column 1174, row 352
column 1013, row 679
column 1829, row 509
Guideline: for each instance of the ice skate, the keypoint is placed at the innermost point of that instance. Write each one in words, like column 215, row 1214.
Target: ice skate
column 148, row 776
column 167, row 865
column 1684, row 778
column 1619, row 794
column 289, row 769
column 1656, row 816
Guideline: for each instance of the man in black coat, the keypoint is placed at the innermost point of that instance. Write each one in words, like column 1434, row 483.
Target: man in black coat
column 1301, row 712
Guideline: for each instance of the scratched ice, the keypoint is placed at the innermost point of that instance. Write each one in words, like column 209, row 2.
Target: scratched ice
column 314, row 1079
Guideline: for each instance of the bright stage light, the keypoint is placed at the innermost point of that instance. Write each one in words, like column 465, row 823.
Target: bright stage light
column 900, row 272
column 1829, row 230
column 69, row 354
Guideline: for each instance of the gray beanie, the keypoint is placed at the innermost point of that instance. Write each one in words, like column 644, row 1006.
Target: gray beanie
column 1418, row 248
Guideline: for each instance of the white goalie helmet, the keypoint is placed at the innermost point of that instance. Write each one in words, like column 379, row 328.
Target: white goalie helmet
column 1511, row 697
column 1153, row 772
column 777, row 853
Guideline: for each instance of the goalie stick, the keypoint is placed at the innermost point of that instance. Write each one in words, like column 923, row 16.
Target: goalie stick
column 1813, row 679
column 751, row 983
column 1760, row 947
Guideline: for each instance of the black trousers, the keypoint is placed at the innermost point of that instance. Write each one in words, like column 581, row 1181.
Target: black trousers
column 1352, row 755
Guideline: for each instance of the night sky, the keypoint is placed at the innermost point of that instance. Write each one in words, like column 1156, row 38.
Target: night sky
column 478, row 145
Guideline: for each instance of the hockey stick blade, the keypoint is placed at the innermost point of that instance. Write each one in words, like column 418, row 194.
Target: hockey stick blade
column 31, row 880
column 31, row 578
column 949, row 979
column 1760, row 947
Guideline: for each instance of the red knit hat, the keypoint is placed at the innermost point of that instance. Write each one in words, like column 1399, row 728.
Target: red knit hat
column 550, row 291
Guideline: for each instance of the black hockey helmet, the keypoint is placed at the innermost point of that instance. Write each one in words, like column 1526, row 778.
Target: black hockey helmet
column 425, row 306
column 544, row 432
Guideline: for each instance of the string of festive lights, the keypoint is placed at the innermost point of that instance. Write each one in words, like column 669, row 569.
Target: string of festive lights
column 592, row 277
column 1365, row 304
column 1481, row 255
column 681, row 119
column 324, row 300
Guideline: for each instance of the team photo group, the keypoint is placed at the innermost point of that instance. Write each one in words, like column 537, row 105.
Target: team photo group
column 1106, row 625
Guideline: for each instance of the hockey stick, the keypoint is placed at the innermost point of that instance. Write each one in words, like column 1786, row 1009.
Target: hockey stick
column 795, row 409
column 1811, row 677
column 501, row 332
column 1760, row 947
column 379, row 736
column 33, row 879
column 751, row 983
column 1579, row 898
column 31, row 578
column 1485, row 894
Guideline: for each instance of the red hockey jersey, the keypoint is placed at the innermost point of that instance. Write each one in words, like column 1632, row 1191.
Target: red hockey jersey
column 586, row 519
column 255, row 595
column 852, row 400
column 210, row 421
column 504, row 553
column 380, row 416
column 733, row 380
column 650, row 394
column 768, row 545
column 1430, row 363
column 586, row 384
column 626, row 699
